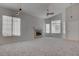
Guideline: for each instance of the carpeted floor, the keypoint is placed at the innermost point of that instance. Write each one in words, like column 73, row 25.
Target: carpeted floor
column 41, row 47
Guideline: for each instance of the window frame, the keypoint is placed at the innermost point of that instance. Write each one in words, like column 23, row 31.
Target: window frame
column 55, row 24
column 51, row 26
column 4, row 27
column 46, row 29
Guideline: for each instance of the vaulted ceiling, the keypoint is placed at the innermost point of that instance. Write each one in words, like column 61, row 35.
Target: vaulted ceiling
column 36, row 9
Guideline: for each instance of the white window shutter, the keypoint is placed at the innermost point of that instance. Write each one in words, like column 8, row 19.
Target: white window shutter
column 16, row 26
column 6, row 25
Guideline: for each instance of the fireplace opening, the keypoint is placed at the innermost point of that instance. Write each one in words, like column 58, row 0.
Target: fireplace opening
column 38, row 34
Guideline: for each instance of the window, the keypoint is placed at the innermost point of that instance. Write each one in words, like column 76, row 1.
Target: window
column 6, row 25
column 47, row 28
column 56, row 26
column 16, row 26
column 10, row 26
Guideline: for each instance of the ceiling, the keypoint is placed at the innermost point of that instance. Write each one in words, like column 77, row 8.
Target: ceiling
column 36, row 9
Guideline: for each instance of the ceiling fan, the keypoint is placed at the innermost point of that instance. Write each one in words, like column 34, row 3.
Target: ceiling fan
column 49, row 13
column 19, row 11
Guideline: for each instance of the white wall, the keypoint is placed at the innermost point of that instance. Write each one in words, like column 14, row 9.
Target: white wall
column 56, row 17
column 58, row 7
column 27, row 27
column 72, row 24
column 27, row 24
column 3, row 39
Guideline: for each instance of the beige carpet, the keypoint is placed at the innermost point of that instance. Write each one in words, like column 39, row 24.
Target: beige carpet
column 41, row 47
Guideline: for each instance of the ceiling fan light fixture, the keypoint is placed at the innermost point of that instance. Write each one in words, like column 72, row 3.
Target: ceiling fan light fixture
column 19, row 11
column 49, row 13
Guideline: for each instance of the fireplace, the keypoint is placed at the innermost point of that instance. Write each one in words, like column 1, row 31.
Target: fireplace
column 37, row 33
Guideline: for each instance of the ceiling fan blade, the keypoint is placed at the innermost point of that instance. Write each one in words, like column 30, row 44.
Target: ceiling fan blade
column 50, row 13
